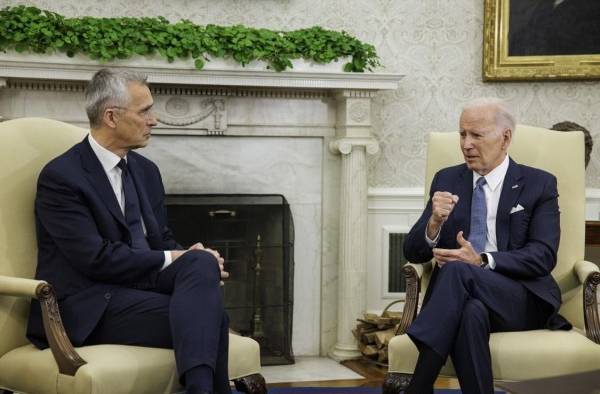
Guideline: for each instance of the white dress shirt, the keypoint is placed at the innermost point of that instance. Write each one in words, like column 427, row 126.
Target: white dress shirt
column 109, row 162
column 492, row 189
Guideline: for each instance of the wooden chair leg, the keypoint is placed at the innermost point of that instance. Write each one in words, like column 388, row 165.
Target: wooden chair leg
column 251, row 384
column 395, row 383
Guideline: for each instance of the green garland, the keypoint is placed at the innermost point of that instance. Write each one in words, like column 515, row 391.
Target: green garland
column 31, row 29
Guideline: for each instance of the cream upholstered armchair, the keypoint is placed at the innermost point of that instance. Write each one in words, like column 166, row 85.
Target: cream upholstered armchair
column 26, row 145
column 526, row 354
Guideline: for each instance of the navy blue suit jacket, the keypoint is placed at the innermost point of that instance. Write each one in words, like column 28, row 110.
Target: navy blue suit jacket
column 84, row 243
column 527, row 240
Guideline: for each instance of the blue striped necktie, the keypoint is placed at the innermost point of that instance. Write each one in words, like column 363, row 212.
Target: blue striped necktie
column 478, row 232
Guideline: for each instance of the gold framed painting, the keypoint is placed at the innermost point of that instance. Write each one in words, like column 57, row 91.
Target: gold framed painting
column 541, row 40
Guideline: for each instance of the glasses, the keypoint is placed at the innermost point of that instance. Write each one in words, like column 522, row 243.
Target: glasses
column 144, row 113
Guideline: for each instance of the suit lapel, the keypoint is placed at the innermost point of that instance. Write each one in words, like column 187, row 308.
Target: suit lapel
column 99, row 181
column 511, row 190
column 152, row 230
column 463, row 208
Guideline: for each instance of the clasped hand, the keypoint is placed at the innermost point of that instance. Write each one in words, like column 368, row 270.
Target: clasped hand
column 199, row 246
column 465, row 253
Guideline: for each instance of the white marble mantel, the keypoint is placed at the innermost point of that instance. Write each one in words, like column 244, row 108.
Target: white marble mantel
column 217, row 72
column 304, row 133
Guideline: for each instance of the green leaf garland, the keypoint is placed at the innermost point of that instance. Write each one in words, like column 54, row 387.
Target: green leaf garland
column 29, row 29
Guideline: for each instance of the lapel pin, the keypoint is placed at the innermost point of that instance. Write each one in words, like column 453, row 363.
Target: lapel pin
column 515, row 186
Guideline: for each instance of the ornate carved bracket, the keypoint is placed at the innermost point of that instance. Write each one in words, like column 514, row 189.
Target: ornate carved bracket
column 413, row 286
column 63, row 351
column 354, row 113
column 590, row 305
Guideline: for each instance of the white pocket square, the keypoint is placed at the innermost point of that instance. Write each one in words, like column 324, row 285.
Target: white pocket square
column 518, row 208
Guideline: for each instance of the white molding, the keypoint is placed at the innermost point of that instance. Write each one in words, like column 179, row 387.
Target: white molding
column 216, row 73
column 592, row 193
column 383, row 192
column 174, row 90
column 395, row 200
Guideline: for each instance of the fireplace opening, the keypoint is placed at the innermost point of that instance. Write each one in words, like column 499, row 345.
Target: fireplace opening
column 255, row 236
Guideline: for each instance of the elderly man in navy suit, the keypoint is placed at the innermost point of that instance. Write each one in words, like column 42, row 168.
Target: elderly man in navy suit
column 104, row 244
column 492, row 227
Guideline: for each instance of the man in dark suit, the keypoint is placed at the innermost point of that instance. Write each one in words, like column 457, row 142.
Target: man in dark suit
column 492, row 227
column 104, row 244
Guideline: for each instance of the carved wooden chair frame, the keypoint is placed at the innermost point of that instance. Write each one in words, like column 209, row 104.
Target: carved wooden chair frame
column 67, row 358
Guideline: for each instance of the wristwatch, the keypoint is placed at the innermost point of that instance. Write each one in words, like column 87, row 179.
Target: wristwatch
column 484, row 260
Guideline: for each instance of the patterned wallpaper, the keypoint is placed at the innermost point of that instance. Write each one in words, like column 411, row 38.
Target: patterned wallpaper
column 437, row 44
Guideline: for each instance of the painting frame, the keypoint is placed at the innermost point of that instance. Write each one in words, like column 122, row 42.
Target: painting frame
column 499, row 66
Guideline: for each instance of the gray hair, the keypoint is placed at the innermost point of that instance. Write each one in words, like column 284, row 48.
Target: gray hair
column 504, row 115
column 108, row 88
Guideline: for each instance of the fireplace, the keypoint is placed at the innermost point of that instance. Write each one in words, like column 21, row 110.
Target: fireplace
column 303, row 133
column 255, row 235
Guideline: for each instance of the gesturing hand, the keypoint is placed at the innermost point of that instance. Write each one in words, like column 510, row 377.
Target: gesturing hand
column 442, row 205
column 465, row 253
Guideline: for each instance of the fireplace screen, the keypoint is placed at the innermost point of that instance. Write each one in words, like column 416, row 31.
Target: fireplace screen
column 255, row 236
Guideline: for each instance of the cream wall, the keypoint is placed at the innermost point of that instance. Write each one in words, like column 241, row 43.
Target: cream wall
column 437, row 44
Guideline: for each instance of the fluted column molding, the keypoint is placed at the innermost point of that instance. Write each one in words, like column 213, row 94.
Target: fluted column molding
column 354, row 141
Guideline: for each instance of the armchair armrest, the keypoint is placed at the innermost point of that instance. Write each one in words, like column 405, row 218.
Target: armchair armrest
column 19, row 287
column 589, row 276
column 413, row 274
column 583, row 269
column 64, row 353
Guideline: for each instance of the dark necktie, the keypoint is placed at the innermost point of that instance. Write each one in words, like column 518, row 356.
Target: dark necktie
column 478, row 232
column 133, row 214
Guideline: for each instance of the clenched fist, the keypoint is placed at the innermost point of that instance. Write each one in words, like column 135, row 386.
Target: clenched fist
column 442, row 205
